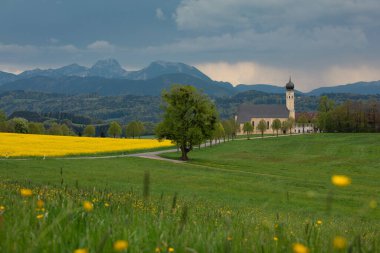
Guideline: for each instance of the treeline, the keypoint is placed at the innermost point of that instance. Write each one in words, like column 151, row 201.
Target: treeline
column 350, row 116
column 134, row 129
column 23, row 126
column 127, row 108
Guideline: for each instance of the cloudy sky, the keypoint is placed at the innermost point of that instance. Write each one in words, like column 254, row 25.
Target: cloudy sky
column 319, row 42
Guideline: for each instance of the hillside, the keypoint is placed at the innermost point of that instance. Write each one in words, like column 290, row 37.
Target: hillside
column 107, row 77
column 363, row 88
column 109, row 87
column 127, row 108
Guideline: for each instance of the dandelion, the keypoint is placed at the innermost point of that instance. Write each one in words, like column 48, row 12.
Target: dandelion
column 157, row 250
column 340, row 180
column 170, row 249
column 88, row 206
column 319, row 222
column 40, row 204
column 40, row 216
column 26, row 192
column 2, row 208
column 275, row 238
column 106, row 204
column 339, row 242
column 120, row 245
column 373, row 204
column 300, row 248
column 82, row 250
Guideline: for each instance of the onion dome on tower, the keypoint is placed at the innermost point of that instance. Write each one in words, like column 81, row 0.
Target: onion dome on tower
column 290, row 84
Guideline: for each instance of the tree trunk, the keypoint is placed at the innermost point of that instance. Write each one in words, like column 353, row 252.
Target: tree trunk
column 184, row 152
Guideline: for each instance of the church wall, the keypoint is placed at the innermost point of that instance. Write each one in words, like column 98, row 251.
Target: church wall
column 256, row 122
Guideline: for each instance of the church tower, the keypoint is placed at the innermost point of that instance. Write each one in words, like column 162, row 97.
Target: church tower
column 290, row 98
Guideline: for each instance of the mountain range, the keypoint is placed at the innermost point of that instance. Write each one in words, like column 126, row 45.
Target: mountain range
column 107, row 77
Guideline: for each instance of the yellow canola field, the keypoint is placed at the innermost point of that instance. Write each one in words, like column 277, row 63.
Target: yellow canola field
column 12, row 145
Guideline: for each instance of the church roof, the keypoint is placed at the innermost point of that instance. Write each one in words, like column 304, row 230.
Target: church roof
column 248, row 111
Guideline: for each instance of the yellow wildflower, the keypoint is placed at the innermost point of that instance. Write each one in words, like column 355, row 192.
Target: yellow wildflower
column 120, row 245
column 88, row 206
column 229, row 238
column 157, row 250
column 170, row 249
column 340, row 180
column 40, row 216
column 373, row 204
column 40, row 204
column 275, row 238
column 2, row 208
column 26, row 192
column 339, row 243
column 300, row 248
column 106, row 204
column 319, row 222
column 82, row 250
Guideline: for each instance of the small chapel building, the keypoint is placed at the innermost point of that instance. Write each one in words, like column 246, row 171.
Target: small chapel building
column 254, row 113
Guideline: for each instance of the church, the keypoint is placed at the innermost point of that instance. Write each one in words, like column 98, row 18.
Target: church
column 254, row 113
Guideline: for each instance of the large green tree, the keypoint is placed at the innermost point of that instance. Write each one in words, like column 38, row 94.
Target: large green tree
column 3, row 116
column 302, row 120
column 55, row 129
column 134, row 129
column 291, row 122
column 20, row 125
column 285, row 126
column 89, row 131
column 36, row 128
column 189, row 118
column 262, row 126
column 325, row 114
column 248, row 129
column 276, row 125
column 219, row 132
column 114, row 129
column 229, row 128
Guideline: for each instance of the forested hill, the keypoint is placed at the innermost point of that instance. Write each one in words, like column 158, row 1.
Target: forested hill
column 74, row 85
column 126, row 108
column 108, row 78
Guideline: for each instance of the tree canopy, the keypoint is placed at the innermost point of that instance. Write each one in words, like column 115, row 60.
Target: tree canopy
column 247, row 128
column 189, row 118
column 114, row 129
column 276, row 125
column 262, row 126
column 134, row 129
column 89, row 131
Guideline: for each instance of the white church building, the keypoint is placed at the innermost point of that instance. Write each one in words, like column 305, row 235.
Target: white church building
column 254, row 113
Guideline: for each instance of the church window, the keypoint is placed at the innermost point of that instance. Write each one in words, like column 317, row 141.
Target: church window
column 267, row 124
column 253, row 124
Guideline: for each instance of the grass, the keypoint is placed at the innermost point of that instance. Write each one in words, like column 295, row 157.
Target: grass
column 234, row 197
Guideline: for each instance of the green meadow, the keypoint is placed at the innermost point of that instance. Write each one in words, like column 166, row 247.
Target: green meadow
column 259, row 195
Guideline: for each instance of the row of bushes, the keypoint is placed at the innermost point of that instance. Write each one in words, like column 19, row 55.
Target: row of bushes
column 21, row 125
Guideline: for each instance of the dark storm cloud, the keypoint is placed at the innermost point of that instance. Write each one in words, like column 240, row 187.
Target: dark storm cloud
column 309, row 36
